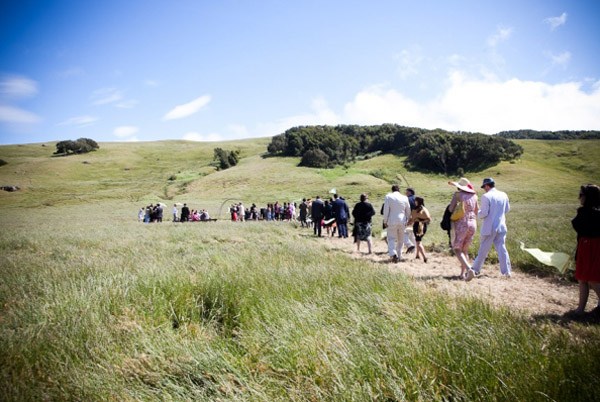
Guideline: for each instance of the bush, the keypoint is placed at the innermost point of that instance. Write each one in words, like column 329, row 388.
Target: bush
column 226, row 159
column 3, row 162
column 80, row 146
column 315, row 158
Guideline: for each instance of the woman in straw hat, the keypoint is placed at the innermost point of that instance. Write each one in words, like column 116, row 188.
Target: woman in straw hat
column 466, row 226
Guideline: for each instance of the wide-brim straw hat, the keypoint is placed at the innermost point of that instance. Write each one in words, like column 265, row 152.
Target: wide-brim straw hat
column 463, row 185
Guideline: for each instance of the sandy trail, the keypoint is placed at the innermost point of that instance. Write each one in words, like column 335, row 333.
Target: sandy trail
column 527, row 294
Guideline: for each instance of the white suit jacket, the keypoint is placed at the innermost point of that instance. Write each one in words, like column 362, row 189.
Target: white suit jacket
column 396, row 209
column 494, row 206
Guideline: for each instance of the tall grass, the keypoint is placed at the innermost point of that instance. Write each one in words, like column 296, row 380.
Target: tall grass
column 127, row 311
column 94, row 306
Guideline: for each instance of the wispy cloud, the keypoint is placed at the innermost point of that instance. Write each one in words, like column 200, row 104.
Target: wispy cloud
column 195, row 136
column 12, row 114
column 187, row 109
column 555, row 22
column 238, row 130
column 561, row 60
column 321, row 114
column 12, row 89
column 501, row 35
column 17, row 87
column 79, row 121
column 105, row 96
column 127, row 104
column 71, row 72
column 151, row 83
column 125, row 131
column 408, row 63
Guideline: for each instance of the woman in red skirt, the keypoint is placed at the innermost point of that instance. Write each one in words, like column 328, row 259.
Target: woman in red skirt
column 587, row 259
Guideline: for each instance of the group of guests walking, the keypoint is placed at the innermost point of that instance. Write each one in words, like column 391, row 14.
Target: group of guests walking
column 406, row 219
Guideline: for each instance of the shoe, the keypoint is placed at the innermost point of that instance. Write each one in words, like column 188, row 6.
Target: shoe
column 574, row 314
column 395, row 258
column 470, row 275
column 507, row 276
column 418, row 257
column 425, row 260
column 410, row 249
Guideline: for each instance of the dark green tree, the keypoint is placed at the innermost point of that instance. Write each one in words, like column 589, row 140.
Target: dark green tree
column 226, row 159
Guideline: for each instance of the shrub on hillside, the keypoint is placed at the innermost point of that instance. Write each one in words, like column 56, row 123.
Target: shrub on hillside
column 315, row 158
column 226, row 159
column 3, row 162
column 80, row 146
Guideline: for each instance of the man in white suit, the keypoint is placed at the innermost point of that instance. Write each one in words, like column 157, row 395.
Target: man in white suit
column 494, row 207
column 396, row 212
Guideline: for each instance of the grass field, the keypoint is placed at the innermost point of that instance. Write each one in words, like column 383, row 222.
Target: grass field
column 95, row 306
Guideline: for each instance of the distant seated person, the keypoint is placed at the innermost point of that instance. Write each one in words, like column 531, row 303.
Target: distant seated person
column 204, row 215
column 195, row 216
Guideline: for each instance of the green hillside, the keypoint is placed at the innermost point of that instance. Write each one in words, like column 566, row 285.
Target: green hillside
column 95, row 306
column 130, row 175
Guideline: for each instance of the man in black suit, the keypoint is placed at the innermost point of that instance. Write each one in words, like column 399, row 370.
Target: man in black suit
column 317, row 214
column 185, row 213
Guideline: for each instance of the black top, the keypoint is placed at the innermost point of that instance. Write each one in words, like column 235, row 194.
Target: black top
column 362, row 212
column 587, row 222
column 317, row 209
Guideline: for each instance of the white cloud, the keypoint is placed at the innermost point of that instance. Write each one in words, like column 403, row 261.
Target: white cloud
column 481, row 105
column 408, row 63
column 72, row 72
column 17, row 87
column 151, row 83
column 501, row 35
column 125, row 131
column 195, row 136
column 105, row 96
column 561, row 59
column 321, row 115
column 79, row 121
column 187, row 109
column 12, row 114
column 127, row 104
column 238, row 130
column 555, row 22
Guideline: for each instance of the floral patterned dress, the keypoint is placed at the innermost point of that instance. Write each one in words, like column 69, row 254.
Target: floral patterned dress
column 465, row 228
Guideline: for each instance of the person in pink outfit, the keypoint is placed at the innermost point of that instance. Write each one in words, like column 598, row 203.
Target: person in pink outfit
column 465, row 227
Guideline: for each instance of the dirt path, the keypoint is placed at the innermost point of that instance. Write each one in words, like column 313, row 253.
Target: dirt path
column 532, row 296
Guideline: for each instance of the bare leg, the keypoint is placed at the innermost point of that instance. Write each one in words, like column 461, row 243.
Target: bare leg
column 369, row 244
column 421, row 250
column 596, row 287
column 463, row 259
column 584, row 291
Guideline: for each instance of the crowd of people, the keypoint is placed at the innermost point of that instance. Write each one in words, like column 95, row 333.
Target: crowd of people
column 154, row 213
column 406, row 219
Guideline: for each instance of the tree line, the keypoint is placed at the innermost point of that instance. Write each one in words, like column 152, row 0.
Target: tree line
column 551, row 135
column 436, row 151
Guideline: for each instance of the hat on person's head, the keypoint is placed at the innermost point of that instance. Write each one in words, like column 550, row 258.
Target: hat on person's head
column 463, row 185
column 488, row 182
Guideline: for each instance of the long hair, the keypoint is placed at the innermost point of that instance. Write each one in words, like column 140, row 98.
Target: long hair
column 592, row 196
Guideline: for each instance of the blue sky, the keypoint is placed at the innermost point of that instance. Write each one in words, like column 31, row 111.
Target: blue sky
column 218, row 70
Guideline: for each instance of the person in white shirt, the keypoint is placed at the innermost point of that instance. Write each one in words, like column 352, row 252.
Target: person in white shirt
column 494, row 207
column 175, row 213
column 396, row 213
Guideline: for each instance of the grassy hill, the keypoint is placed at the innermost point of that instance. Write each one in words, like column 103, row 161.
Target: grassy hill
column 95, row 306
